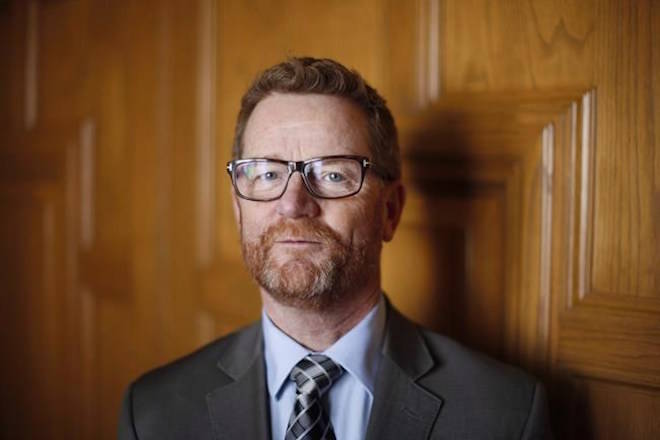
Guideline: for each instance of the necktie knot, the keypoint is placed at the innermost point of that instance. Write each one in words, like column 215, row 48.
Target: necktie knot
column 313, row 375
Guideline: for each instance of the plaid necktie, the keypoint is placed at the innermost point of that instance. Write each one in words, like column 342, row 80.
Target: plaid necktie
column 314, row 375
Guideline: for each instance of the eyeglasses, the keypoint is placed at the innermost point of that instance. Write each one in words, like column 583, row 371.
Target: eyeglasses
column 328, row 177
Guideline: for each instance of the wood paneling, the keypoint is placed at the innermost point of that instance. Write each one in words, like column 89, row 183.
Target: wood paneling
column 627, row 410
column 430, row 270
column 520, row 45
column 603, row 322
column 530, row 143
column 41, row 338
column 488, row 160
column 28, row 300
column 625, row 244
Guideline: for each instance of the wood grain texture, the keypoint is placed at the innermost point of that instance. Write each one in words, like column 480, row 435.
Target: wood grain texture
column 626, row 245
column 541, row 44
column 31, row 65
column 24, row 237
column 40, row 350
column 206, row 117
column 628, row 411
column 518, row 45
column 604, row 309
column 530, row 142
column 13, row 29
column 508, row 144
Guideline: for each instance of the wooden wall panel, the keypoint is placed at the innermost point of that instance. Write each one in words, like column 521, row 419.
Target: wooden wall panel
column 502, row 148
column 59, row 48
column 627, row 410
column 604, row 256
column 41, row 356
column 531, row 155
column 431, row 270
column 543, row 44
column 116, row 80
column 626, row 248
column 519, row 45
column 24, row 237
column 12, row 70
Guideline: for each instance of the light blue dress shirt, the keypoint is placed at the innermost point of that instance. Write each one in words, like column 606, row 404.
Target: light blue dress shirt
column 351, row 397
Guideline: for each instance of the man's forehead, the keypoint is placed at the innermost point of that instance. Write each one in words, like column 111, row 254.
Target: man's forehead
column 312, row 102
column 302, row 125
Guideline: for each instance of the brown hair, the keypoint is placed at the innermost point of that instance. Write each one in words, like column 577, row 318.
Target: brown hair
column 327, row 77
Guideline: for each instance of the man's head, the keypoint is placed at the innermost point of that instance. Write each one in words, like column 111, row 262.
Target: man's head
column 326, row 77
column 313, row 238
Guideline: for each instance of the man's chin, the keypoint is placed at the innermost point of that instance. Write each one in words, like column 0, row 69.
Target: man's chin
column 299, row 298
column 302, row 303
column 299, row 284
column 283, row 261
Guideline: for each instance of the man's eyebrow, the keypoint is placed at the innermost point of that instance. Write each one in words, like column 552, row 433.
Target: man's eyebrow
column 263, row 156
column 278, row 156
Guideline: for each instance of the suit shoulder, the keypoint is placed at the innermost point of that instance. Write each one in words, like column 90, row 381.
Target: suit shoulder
column 475, row 376
column 197, row 371
column 170, row 401
column 503, row 398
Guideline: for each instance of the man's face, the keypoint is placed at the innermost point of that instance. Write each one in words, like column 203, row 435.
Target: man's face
column 304, row 251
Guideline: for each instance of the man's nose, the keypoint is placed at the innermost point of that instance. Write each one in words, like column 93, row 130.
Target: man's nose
column 297, row 201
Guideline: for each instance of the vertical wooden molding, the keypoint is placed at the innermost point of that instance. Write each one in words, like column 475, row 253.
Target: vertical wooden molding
column 572, row 194
column 49, row 248
column 434, row 50
column 421, row 53
column 87, row 176
column 428, row 52
column 206, row 129
column 71, row 245
column 71, row 224
column 514, row 322
column 586, row 192
column 163, row 112
column 88, row 341
column 545, row 270
column 86, row 303
column 31, row 65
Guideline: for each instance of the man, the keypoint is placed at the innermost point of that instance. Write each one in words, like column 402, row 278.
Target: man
column 316, row 191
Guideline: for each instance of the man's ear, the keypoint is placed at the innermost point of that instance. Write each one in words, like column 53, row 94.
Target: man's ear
column 395, row 199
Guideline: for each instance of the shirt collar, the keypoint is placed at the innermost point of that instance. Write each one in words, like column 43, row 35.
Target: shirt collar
column 358, row 351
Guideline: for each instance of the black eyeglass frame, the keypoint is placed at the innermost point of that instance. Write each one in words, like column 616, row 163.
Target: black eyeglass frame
column 299, row 166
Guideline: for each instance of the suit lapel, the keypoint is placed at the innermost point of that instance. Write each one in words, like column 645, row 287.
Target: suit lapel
column 402, row 408
column 239, row 409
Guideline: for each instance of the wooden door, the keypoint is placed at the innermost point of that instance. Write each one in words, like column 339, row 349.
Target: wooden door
column 547, row 108
column 530, row 143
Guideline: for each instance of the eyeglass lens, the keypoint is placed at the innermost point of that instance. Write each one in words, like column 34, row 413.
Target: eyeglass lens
column 330, row 178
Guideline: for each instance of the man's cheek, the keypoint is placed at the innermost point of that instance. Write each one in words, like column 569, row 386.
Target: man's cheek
column 252, row 230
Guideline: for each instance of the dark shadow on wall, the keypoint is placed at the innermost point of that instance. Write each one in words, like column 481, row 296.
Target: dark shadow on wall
column 464, row 196
column 466, row 301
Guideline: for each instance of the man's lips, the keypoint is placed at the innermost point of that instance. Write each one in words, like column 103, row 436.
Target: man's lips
column 296, row 241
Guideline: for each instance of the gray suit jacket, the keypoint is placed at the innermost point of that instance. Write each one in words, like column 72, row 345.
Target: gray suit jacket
column 428, row 387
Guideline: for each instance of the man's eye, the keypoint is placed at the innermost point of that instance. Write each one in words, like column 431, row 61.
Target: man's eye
column 334, row 177
column 268, row 175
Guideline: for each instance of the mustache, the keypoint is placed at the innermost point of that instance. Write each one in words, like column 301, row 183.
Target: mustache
column 305, row 228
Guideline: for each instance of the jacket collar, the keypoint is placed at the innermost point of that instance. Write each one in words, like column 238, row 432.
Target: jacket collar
column 401, row 409
column 239, row 409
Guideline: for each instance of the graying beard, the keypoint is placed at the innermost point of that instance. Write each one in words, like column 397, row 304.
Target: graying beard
column 317, row 289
